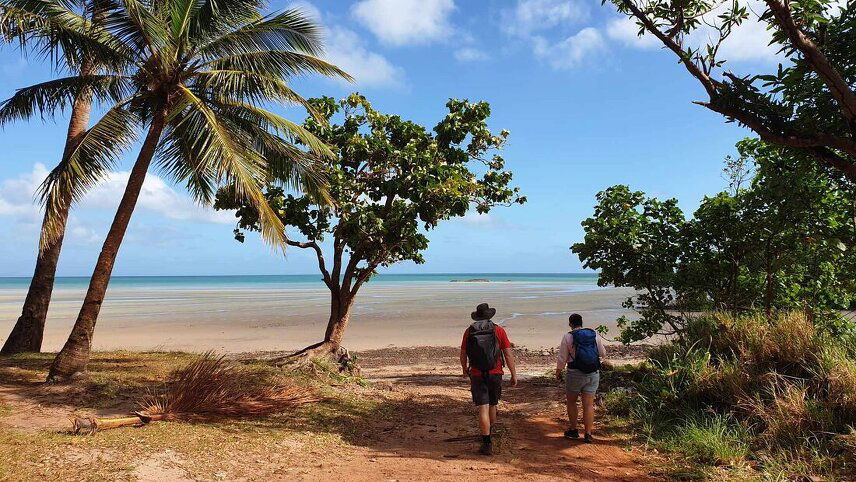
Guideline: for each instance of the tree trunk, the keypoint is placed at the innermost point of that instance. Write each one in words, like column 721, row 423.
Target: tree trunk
column 340, row 315
column 74, row 356
column 27, row 334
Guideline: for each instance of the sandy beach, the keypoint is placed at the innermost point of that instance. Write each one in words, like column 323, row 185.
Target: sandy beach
column 240, row 319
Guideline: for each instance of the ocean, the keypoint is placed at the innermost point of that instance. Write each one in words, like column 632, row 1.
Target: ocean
column 238, row 282
column 250, row 313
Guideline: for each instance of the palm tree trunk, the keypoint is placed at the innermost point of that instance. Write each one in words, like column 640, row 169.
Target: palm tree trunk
column 74, row 356
column 27, row 334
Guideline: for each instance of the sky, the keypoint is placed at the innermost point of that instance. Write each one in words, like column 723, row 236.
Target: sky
column 588, row 104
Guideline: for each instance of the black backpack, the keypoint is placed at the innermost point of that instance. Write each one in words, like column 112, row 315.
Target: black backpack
column 587, row 358
column 482, row 348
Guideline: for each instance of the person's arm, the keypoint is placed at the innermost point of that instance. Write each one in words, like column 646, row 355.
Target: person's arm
column 562, row 358
column 512, row 366
column 601, row 349
column 464, row 361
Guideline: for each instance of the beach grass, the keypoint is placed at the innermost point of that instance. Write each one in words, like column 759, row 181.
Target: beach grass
column 204, row 450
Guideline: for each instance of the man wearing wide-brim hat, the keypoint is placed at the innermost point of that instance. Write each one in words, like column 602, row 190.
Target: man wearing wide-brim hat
column 483, row 349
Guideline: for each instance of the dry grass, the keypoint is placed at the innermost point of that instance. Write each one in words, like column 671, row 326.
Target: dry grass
column 212, row 388
column 272, row 444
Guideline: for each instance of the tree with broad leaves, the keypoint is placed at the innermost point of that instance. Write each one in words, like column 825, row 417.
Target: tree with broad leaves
column 391, row 181
column 807, row 104
column 785, row 241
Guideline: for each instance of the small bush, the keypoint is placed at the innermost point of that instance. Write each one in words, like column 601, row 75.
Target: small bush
column 791, row 385
column 618, row 401
column 712, row 440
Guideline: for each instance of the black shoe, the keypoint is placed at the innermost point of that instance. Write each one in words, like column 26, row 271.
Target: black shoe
column 486, row 449
column 572, row 433
column 587, row 439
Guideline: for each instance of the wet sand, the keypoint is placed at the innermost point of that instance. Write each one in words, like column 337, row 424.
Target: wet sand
column 386, row 314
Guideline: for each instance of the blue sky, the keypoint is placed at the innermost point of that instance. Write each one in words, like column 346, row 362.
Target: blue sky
column 588, row 105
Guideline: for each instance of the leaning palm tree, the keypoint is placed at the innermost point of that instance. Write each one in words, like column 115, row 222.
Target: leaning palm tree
column 71, row 34
column 204, row 72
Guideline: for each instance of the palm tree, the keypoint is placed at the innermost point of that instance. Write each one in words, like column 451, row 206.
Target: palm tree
column 204, row 70
column 75, row 40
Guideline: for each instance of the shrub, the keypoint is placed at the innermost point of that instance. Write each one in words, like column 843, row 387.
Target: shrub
column 714, row 440
column 791, row 384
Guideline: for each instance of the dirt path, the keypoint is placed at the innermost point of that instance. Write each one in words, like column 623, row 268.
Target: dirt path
column 430, row 433
column 421, row 427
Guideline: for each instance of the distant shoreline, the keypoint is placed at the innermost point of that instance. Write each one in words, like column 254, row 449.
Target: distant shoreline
column 258, row 316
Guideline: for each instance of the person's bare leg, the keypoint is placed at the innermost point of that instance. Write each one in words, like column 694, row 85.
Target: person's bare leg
column 484, row 419
column 572, row 410
column 588, row 411
column 492, row 414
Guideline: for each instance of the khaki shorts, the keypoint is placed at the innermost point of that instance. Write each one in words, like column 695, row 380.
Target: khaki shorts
column 578, row 382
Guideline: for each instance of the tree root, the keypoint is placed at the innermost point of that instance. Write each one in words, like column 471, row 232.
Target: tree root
column 339, row 356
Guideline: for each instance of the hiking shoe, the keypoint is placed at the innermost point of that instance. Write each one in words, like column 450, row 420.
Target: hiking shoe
column 587, row 439
column 486, row 449
column 572, row 433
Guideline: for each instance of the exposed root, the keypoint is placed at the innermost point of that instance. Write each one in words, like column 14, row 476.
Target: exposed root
column 305, row 358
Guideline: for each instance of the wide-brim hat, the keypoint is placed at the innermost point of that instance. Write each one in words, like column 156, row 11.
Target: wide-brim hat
column 483, row 312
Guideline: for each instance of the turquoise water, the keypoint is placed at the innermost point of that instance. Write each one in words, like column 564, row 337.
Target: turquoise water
column 276, row 281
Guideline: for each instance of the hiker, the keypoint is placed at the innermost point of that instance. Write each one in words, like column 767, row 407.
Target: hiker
column 483, row 349
column 581, row 350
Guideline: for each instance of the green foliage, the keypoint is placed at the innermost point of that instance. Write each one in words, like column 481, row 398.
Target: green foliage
column 785, row 241
column 779, row 388
column 712, row 440
column 194, row 75
column 390, row 181
column 635, row 241
column 808, row 103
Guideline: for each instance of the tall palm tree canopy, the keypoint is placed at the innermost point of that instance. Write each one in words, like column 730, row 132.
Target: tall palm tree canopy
column 203, row 71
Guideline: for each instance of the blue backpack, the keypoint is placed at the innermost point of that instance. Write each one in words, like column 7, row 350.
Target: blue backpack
column 587, row 359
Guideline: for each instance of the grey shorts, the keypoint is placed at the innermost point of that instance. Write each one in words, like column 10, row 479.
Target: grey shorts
column 578, row 382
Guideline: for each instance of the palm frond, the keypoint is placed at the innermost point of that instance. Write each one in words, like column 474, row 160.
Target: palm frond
column 92, row 158
column 214, row 18
column 48, row 97
column 288, row 165
column 61, row 34
column 136, row 25
column 238, row 164
column 290, row 30
column 280, row 125
column 277, row 63
column 212, row 388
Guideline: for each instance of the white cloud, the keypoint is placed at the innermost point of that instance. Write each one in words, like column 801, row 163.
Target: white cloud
column 533, row 15
column 405, row 22
column 570, row 52
column 470, row 54
column 17, row 201
column 345, row 49
column 307, row 8
column 17, row 195
column 156, row 196
column 749, row 42
column 476, row 219
column 624, row 30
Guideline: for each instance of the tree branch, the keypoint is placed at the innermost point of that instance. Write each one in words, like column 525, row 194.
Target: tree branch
column 319, row 254
column 838, row 87
column 817, row 146
column 706, row 81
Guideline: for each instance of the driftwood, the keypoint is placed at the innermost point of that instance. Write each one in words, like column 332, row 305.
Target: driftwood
column 90, row 425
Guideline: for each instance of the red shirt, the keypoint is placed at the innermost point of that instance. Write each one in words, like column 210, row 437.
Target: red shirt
column 501, row 339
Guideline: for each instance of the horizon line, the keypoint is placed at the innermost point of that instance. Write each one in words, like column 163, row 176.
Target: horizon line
column 318, row 274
